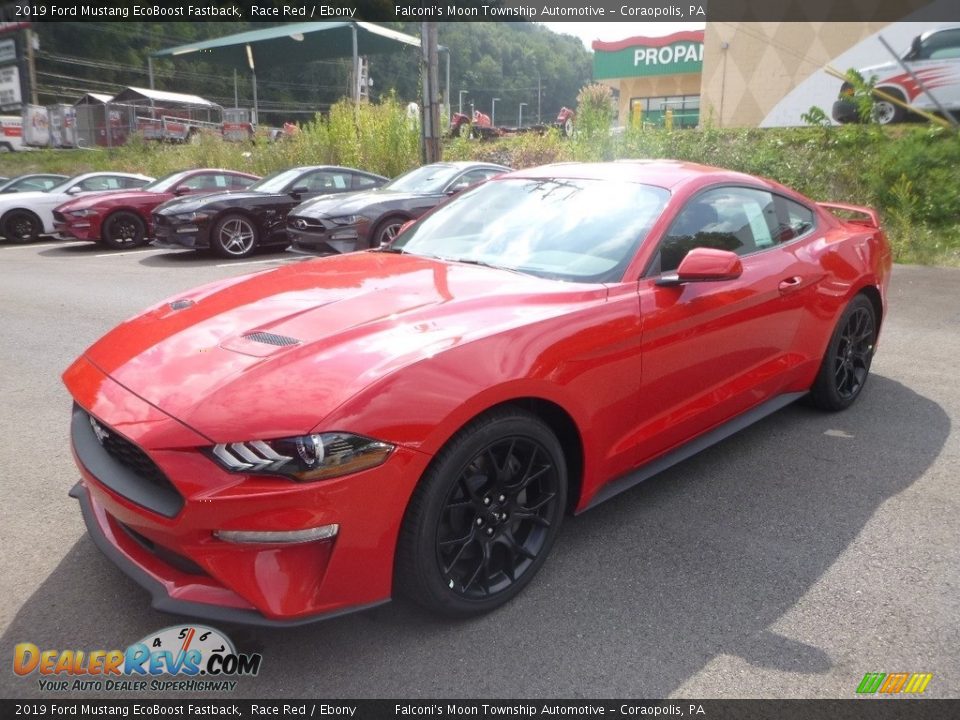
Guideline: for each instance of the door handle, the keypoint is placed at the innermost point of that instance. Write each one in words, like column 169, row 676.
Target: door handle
column 790, row 284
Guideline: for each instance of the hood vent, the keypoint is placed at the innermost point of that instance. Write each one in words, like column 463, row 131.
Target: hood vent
column 180, row 304
column 271, row 339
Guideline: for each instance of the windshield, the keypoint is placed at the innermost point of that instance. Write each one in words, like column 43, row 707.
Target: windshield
column 426, row 180
column 574, row 230
column 166, row 182
column 277, row 181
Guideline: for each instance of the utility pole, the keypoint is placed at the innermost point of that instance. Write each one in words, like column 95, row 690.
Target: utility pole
column 31, row 67
column 430, row 111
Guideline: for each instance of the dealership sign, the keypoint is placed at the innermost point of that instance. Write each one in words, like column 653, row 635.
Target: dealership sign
column 681, row 52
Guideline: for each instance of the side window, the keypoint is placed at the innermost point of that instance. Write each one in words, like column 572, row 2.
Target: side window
column 795, row 220
column 471, row 177
column 741, row 220
column 129, row 182
column 324, row 181
column 204, row 181
column 240, row 182
column 941, row 45
column 364, row 182
column 100, row 183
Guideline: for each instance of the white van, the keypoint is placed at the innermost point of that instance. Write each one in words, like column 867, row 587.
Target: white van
column 11, row 133
column 934, row 57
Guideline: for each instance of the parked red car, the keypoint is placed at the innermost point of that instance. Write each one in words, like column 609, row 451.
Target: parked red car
column 123, row 219
column 285, row 446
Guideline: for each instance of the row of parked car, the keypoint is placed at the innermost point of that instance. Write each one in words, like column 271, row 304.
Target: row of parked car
column 318, row 209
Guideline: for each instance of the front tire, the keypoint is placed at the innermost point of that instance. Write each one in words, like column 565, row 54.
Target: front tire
column 234, row 236
column 484, row 516
column 387, row 230
column 21, row 226
column 846, row 364
column 124, row 230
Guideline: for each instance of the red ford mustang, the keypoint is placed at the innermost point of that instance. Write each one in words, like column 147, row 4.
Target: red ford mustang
column 297, row 443
column 123, row 219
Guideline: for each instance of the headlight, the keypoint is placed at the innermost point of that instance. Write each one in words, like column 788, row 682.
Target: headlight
column 305, row 458
column 192, row 217
column 347, row 219
column 86, row 212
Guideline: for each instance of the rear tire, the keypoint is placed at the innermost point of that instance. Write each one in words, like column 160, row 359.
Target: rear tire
column 846, row 364
column 21, row 226
column 484, row 516
column 124, row 230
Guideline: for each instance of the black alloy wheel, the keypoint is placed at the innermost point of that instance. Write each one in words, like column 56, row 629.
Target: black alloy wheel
column 484, row 517
column 21, row 226
column 124, row 230
column 846, row 365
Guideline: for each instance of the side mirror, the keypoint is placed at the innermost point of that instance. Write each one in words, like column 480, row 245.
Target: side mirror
column 915, row 46
column 459, row 187
column 182, row 191
column 300, row 190
column 73, row 190
column 704, row 265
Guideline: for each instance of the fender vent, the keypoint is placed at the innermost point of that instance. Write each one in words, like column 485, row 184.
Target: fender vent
column 271, row 339
column 180, row 304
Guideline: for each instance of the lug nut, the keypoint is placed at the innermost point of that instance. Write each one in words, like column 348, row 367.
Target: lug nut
column 489, row 531
column 479, row 521
column 501, row 498
column 486, row 501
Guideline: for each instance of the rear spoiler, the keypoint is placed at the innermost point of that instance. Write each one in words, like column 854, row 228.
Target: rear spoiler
column 871, row 219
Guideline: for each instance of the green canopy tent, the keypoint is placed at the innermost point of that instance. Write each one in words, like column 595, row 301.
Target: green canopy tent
column 299, row 43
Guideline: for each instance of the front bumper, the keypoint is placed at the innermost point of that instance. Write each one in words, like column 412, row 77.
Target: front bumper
column 168, row 544
column 195, row 236
column 328, row 241
column 77, row 229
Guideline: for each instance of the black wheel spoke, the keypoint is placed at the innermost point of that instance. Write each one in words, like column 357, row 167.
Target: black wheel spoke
column 492, row 531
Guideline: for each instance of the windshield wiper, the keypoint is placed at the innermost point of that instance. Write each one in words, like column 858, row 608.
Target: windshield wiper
column 483, row 263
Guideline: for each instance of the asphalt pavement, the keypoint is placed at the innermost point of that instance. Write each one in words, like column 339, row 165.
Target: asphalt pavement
column 787, row 561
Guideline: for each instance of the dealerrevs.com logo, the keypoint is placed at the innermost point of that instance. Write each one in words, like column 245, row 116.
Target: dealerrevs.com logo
column 199, row 658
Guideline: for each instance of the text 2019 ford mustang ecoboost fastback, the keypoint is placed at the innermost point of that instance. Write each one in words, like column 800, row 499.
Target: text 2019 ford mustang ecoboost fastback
column 418, row 419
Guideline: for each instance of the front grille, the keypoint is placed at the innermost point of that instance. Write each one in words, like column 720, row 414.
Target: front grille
column 159, row 220
column 271, row 339
column 126, row 452
column 122, row 466
column 304, row 223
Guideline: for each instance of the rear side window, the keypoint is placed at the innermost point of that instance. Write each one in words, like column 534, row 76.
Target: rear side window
column 796, row 219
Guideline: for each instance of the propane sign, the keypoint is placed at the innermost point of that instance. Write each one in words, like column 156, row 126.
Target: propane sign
column 681, row 52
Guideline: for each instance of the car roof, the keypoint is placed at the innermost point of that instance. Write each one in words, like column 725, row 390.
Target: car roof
column 109, row 172
column 463, row 164
column 668, row 174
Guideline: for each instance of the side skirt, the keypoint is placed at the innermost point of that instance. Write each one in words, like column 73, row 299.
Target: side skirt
column 701, row 442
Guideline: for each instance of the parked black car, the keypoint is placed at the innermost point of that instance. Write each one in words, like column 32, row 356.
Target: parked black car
column 233, row 224
column 365, row 220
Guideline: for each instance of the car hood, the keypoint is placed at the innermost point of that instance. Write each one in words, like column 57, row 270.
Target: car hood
column 132, row 197
column 272, row 354
column 352, row 203
column 194, row 202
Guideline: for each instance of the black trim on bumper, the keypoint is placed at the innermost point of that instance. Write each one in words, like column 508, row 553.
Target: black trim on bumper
column 159, row 599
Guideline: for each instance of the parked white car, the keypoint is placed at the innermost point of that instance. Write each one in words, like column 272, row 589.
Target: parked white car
column 933, row 57
column 25, row 216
